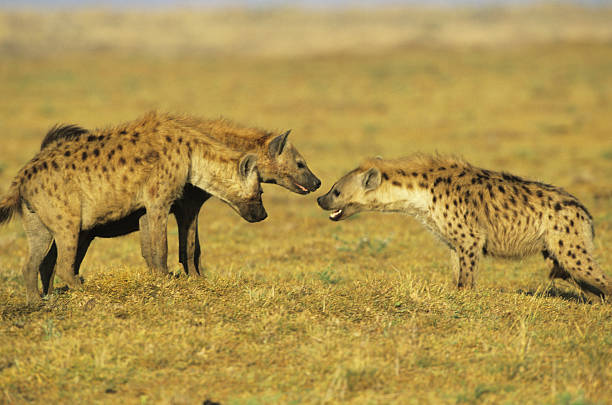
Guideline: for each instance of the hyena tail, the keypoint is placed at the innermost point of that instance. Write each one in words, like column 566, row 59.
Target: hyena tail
column 11, row 203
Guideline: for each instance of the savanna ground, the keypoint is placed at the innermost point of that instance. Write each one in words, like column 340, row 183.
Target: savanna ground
column 298, row 309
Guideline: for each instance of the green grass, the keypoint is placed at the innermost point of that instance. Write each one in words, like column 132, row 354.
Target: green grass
column 298, row 309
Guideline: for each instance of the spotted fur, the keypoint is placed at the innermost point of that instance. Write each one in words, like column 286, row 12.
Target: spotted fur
column 478, row 212
column 101, row 176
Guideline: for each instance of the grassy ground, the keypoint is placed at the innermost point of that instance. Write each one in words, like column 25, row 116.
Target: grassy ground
column 298, row 309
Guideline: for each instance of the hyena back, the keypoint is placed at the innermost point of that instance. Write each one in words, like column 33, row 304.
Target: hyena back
column 477, row 212
column 105, row 175
column 278, row 162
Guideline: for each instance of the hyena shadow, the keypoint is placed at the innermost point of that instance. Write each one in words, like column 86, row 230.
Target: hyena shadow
column 553, row 291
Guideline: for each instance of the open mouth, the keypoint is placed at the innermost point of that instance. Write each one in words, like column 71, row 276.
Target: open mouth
column 336, row 215
column 304, row 189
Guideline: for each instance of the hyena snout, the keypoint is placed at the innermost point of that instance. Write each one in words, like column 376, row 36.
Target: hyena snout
column 252, row 211
column 325, row 202
column 312, row 182
column 306, row 182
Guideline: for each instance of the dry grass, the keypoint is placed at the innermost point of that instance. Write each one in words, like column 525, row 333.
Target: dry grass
column 298, row 309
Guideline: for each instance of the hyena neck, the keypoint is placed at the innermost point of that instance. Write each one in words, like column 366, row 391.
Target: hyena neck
column 211, row 173
column 412, row 201
column 234, row 135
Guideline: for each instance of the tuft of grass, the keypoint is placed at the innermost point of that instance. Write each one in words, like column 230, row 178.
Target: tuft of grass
column 328, row 276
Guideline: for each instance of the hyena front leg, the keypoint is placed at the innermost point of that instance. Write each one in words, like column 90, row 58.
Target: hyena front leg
column 145, row 241
column 186, row 211
column 465, row 258
column 39, row 240
column 157, row 234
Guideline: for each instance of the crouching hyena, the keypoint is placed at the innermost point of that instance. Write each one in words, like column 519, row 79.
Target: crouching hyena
column 109, row 174
column 278, row 162
column 475, row 212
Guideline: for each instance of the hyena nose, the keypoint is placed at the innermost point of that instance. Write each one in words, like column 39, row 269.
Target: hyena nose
column 320, row 201
column 317, row 183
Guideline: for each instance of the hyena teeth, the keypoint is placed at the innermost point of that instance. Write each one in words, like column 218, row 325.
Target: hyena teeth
column 335, row 214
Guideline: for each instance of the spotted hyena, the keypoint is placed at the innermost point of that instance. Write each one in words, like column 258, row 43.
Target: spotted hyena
column 477, row 212
column 105, row 175
column 278, row 162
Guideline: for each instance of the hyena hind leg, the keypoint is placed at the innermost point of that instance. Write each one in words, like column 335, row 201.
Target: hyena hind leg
column 67, row 243
column 576, row 263
column 39, row 239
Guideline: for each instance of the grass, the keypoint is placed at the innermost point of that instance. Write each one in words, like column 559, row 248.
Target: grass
column 297, row 309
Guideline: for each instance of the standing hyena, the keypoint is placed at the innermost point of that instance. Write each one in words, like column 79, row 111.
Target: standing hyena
column 109, row 174
column 278, row 162
column 475, row 212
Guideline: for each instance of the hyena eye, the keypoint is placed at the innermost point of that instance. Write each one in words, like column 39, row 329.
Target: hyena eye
column 336, row 193
column 300, row 165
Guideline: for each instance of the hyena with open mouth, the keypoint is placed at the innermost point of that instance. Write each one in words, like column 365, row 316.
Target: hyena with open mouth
column 98, row 177
column 278, row 162
column 477, row 212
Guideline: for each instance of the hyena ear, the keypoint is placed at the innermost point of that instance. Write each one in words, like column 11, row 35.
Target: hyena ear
column 247, row 165
column 277, row 144
column 371, row 179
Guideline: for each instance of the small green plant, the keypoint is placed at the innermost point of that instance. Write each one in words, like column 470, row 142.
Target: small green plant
column 50, row 330
column 328, row 276
column 565, row 398
column 372, row 246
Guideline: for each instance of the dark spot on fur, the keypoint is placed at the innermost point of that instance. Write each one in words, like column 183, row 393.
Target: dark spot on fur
column 121, row 161
column 120, row 147
column 396, row 183
column 96, row 152
column 168, row 139
column 67, row 153
column 84, row 156
column 501, row 189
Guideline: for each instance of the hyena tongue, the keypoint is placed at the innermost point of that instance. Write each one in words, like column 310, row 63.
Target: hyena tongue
column 335, row 214
column 301, row 187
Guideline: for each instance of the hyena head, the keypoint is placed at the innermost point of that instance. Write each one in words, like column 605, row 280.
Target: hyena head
column 353, row 193
column 280, row 163
column 237, row 184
